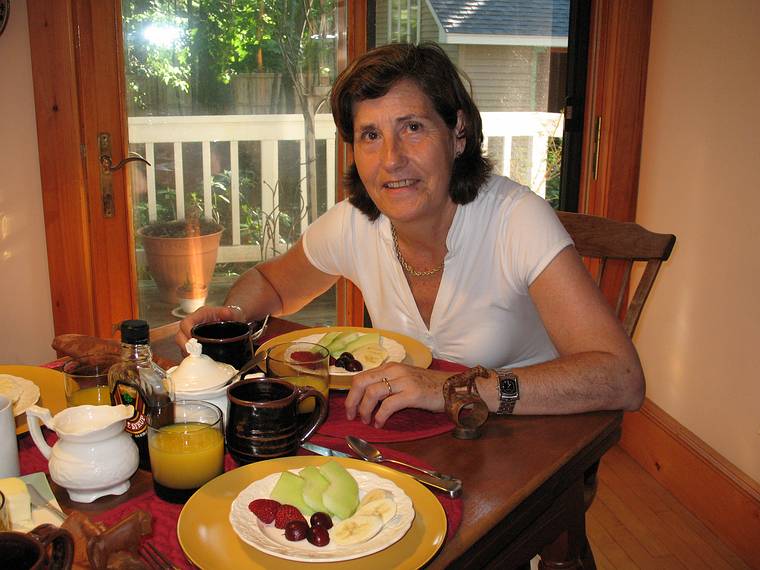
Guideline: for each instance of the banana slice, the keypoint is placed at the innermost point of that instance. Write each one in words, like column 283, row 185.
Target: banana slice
column 371, row 355
column 375, row 495
column 358, row 528
column 384, row 508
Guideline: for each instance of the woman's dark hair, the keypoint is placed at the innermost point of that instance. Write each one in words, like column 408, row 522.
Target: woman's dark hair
column 373, row 75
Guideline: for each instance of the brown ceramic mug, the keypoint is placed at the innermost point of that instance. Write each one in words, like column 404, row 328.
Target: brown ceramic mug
column 263, row 420
column 45, row 547
column 228, row 341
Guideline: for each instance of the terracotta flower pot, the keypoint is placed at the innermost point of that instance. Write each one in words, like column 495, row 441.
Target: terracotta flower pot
column 174, row 261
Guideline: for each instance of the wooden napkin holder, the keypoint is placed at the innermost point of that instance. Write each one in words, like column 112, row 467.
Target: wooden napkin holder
column 463, row 403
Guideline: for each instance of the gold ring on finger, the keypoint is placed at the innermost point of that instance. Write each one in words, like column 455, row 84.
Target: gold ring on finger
column 384, row 380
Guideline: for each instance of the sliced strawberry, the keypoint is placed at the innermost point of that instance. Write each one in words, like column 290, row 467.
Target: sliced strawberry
column 264, row 509
column 287, row 513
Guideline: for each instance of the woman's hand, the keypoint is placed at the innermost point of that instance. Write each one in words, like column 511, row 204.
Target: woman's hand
column 205, row 315
column 394, row 386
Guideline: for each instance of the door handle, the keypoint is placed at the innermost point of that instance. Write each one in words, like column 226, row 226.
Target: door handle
column 107, row 168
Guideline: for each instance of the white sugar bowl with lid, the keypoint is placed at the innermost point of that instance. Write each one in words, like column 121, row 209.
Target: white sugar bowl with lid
column 199, row 377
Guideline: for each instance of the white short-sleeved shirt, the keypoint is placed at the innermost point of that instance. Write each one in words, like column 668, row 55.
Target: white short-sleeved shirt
column 497, row 245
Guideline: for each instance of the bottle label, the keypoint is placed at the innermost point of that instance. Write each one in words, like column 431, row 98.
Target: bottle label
column 130, row 396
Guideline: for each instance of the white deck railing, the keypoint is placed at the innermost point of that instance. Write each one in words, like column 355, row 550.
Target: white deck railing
column 270, row 129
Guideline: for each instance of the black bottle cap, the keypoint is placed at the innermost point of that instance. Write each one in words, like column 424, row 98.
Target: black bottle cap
column 135, row 332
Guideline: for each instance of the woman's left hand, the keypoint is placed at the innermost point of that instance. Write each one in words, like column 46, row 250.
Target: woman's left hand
column 394, row 386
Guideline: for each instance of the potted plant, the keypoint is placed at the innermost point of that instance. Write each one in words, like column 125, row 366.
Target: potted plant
column 181, row 254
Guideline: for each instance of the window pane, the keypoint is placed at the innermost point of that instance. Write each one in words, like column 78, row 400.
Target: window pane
column 221, row 116
column 514, row 54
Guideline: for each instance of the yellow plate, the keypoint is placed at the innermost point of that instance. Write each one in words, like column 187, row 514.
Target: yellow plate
column 417, row 354
column 207, row 537
column 50, row 383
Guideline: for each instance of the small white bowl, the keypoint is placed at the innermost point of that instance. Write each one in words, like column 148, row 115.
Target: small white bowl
column 191, row 305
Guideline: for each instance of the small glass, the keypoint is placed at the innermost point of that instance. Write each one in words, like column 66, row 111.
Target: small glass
column 86, row 380
column 188, row 453
column 301, row 364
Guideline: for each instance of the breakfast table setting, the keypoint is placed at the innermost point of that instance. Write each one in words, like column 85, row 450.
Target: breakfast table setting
column 469, row 490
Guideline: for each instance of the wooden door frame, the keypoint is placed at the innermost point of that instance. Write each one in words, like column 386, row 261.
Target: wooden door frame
column 87, row 254
column 614, row 116
column 349, row 300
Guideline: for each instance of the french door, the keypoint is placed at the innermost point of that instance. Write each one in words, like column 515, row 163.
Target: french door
column 78, row 61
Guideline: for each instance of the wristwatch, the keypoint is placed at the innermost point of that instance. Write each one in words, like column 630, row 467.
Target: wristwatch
column 509, row 391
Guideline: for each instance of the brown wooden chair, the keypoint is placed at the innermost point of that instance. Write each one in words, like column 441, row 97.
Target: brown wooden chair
column 611, row 249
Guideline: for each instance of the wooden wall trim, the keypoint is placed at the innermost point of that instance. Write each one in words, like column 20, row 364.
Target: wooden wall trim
column 62, row 173
column 717, row 492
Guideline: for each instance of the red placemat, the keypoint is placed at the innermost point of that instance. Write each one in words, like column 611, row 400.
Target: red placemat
column 404, row 425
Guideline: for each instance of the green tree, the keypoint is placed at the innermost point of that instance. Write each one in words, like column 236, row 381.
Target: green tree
column 200, row 44
column 305, row 33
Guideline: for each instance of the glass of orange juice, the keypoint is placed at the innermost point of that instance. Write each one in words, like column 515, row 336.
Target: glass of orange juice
column 302, row 364
column 188, row 453
column 86, row 380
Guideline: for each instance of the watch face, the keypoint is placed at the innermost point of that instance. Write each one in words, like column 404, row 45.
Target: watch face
column 508, row 387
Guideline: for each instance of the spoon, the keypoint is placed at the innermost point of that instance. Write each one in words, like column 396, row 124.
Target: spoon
column 369, row 452
column 248, row 366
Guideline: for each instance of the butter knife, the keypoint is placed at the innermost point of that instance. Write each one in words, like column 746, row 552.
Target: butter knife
column 40, row 501
column 452, row 487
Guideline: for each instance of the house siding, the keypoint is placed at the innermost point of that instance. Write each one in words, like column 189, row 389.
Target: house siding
column 504, row 78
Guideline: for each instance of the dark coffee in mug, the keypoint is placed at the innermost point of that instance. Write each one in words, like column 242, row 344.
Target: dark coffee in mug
column 263, row 420
column 45, row 547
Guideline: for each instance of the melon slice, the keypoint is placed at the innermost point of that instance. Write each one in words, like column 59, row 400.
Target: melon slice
column 342, row 496
column 315, row 485
column 289, row 491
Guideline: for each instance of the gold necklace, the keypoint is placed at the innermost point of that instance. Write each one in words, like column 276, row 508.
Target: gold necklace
column 405, row 264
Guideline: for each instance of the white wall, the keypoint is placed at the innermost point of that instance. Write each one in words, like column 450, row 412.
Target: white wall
column 699, row 336
column 26, row 316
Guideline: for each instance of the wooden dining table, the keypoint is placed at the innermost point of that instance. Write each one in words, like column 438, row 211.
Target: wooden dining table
column 523, row 481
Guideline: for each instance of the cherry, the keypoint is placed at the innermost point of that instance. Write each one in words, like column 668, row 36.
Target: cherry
column 321, row 520
column 318, row 536
column 296, row 530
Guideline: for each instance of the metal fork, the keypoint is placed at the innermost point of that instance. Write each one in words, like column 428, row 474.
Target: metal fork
column 155, row 558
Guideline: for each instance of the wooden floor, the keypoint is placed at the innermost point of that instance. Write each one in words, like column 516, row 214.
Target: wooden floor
column 635, row 523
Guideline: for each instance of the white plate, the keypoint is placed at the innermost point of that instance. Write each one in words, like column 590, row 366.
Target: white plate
column 271, row 540
column 28, row 392
column 40, row 515
column 396, row 352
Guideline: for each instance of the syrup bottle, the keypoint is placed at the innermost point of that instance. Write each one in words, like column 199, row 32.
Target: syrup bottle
column 138, row 381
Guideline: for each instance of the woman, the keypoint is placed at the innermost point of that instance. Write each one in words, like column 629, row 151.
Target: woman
column 475, row 266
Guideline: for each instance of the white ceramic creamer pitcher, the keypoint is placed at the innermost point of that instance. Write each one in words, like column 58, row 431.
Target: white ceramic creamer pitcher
column 93, row 456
